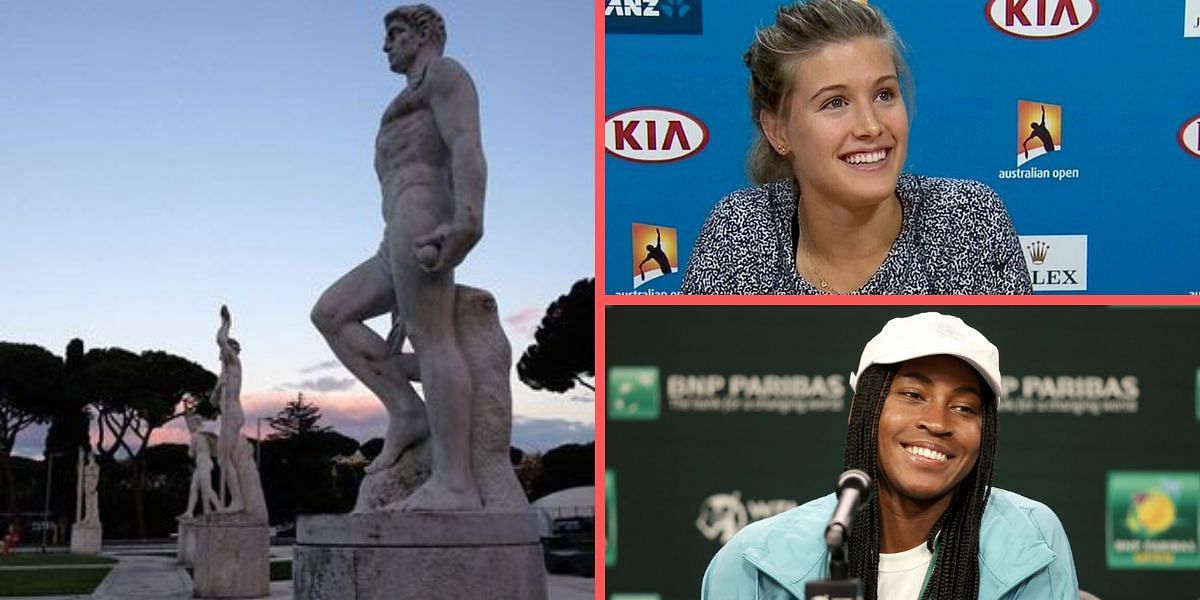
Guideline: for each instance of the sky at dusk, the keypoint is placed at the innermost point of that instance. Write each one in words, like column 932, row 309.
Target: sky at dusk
column 160, row 159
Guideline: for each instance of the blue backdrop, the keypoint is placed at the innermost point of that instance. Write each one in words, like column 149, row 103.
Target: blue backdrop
column 1126, row 83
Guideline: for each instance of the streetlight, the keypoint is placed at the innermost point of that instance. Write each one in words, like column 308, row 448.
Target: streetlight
column 46, row 507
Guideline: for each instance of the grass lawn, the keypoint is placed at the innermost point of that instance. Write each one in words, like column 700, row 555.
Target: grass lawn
column 25, row 559
column 49, row 582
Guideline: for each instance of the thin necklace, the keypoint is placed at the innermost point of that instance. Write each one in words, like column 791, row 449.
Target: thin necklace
column 812, row 257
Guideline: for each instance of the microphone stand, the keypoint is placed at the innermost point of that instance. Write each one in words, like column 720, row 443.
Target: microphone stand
column 839, row 586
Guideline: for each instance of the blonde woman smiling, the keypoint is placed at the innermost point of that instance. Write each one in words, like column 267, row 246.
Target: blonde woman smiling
column 833, row 213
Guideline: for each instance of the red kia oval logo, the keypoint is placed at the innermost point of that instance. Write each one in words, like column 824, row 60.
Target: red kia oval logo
column 1189, row 136
column 653, row 134
column 1041, row 19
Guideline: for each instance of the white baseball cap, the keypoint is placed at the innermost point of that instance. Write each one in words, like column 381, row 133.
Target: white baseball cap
column 929, row 334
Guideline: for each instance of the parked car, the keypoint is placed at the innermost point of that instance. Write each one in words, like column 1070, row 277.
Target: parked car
column 571, row 547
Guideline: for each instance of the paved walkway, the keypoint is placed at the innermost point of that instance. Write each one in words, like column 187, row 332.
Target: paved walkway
column 145, row 577
column 160, row 578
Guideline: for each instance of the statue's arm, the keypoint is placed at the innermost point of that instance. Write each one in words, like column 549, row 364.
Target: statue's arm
column 455, row 107
column 223, row 334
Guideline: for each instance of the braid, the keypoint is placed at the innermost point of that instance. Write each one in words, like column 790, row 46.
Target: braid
column 956, row 572
column 862, row 452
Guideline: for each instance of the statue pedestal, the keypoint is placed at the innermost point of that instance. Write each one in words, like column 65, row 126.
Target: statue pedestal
column 85, row 538
column 185, row 544
column 231, row 558
column 400, row 555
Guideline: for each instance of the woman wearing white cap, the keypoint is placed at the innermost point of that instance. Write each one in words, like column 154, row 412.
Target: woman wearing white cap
column 923, row 426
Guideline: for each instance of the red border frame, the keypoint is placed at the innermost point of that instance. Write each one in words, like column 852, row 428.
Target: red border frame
column 831, row 300
column 598, row 502
column 987, row 14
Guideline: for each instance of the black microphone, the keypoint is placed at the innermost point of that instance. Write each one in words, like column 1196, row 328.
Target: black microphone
column 853, row 489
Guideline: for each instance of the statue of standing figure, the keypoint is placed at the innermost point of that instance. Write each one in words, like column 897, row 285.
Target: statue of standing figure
column 87, row 506
column 430, row 164
column 227, row 393
column 200, row 449
column 239, row 490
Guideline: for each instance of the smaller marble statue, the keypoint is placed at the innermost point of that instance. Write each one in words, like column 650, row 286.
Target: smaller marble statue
column 227, row 392
column 200, row 449
column 239, row 491
column 87, row 506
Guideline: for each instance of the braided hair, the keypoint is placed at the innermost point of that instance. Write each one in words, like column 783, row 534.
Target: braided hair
column 956, row 572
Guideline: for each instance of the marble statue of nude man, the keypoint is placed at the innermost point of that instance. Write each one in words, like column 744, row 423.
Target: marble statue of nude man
column 227, row 392
column 430, row 165
column 200, row 450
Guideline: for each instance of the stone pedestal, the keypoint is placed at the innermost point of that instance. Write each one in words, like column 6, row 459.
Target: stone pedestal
column 231, row 558
column 185, row 544
column 85, row 538
column 419, row 555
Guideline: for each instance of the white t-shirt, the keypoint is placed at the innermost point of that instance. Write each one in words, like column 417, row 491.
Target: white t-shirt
column 901, row 575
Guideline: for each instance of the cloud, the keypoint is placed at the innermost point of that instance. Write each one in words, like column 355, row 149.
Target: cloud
column 525, row 320
column 544, row 434
column 322, row 366
column 322, row 384
column 541, row 420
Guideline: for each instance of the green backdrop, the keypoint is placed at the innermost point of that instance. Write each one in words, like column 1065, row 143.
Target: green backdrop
column 719, row 416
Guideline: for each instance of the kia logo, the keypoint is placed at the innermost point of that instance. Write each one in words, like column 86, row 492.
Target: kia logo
column 1041, row 19
column 653, row 134
column 1189, row 136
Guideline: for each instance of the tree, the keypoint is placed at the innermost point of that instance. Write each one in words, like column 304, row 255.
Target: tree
column 299, row 471
column 564, row 343
column 296, row 419
column 30, row 384
column 134, row 395
column 67, row 433
column 566, row 466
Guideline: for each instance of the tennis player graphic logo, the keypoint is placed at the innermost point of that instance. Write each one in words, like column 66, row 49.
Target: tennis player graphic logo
column 1039, row 130
column 654, row 253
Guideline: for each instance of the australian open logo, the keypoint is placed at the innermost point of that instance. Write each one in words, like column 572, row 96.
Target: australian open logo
column 654, row 252
column 653, row 16
column 1041, row 19
column 1039, row 134
column 1189, row 136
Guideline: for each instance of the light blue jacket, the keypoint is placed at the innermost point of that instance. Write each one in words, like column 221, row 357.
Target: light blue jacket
column 1023, row 553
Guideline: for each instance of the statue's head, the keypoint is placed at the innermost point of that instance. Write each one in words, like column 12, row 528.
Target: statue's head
column 410, row 28
column 237, row 348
